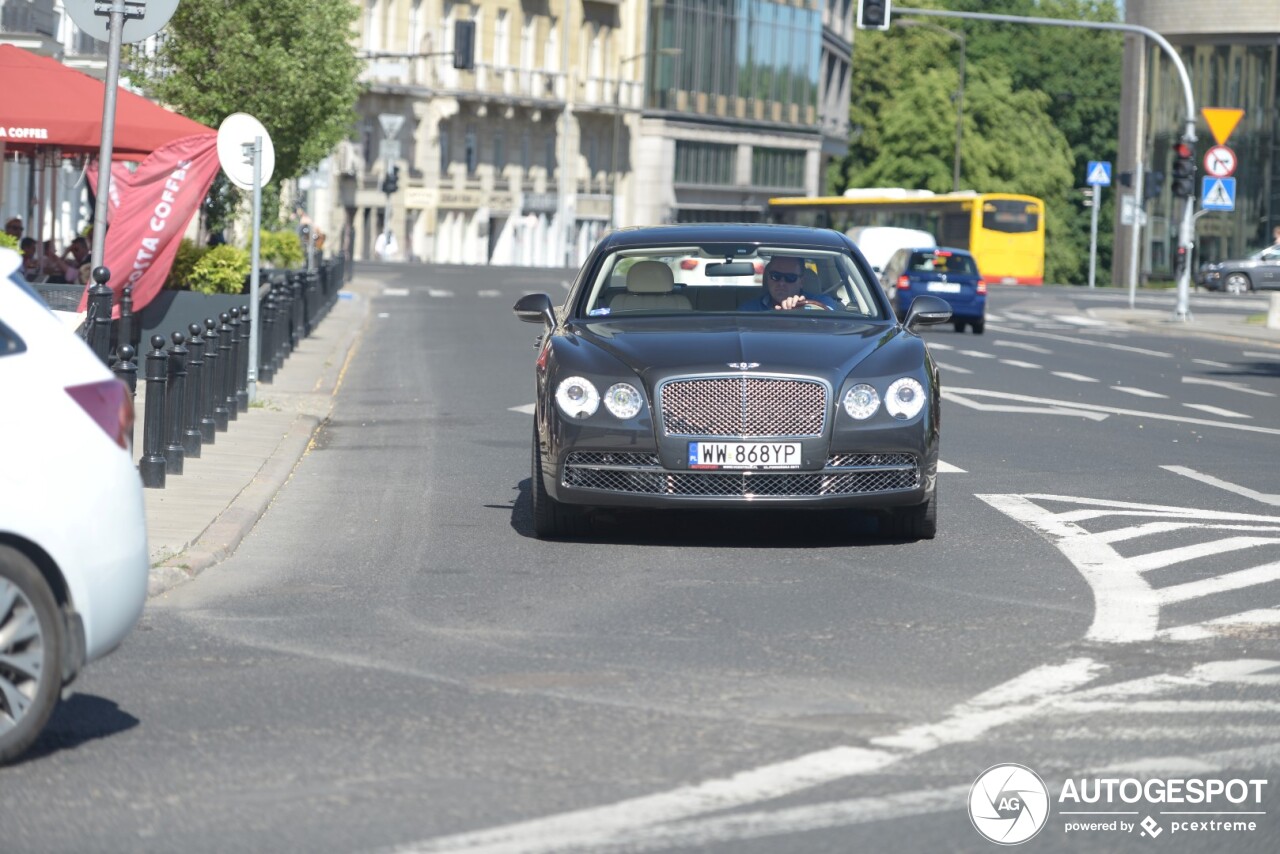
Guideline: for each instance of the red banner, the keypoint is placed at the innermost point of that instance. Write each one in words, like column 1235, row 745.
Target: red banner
column 156, row 205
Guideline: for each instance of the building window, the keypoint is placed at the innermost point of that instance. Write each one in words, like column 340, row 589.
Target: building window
column 526, row 158
column 445, row 154
column 777, row 167
column 471, row 147
column 499, row 152
column 704, row 162
column 549, row 155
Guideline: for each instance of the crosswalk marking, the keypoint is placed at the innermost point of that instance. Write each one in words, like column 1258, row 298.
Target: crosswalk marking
column 1080, row 378
column 1021, row 345
column 1018, row 363
column 955, row 369
column 1139, row 392
column 977, row 354
column 1079, row 320
column 489, row 293
column 1214, row 410
column 439, row 292
column 395, row 292
column 1210, row 363
column 1227, row 384
column 1040, row 334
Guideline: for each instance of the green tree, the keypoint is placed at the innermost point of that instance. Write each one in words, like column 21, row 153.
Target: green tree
column 289, row 63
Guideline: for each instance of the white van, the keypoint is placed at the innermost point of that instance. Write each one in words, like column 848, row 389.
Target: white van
column 879, row 242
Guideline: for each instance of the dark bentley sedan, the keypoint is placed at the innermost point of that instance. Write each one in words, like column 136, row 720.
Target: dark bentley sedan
column 771, row 372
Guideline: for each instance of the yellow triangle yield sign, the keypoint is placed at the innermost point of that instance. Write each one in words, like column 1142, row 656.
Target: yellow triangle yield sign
column 1221, row 122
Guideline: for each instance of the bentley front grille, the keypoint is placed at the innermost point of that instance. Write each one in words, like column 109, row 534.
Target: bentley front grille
column 641, row 474
column 743, row 406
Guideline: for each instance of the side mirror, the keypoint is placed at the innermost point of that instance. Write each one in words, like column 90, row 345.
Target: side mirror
column 926, row 310
column 535, row 308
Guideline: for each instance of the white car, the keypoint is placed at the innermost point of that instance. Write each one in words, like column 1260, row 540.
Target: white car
column 73, row 535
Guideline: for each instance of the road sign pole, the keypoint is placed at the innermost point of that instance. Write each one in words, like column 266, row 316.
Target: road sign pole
column 1093, row 235
column 254, row 257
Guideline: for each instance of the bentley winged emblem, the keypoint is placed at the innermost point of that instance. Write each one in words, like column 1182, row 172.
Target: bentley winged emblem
column 744, row 366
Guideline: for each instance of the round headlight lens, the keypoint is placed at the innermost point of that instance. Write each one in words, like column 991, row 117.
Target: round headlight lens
column 623, row 400
column 861, row 402
column 905, row 398
column 577, row 397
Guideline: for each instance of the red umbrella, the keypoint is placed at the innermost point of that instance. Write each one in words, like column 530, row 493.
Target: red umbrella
column 44, row 105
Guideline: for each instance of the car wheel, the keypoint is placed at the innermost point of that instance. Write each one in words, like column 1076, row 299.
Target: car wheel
column 913, row 523
column 550, row 517
column 30, row 652
column 978, row 326
column 1237, row 283
column 958, row 325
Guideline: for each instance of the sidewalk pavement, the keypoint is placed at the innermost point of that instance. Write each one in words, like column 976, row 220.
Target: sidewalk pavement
column 1265, row 328
column 201, row 515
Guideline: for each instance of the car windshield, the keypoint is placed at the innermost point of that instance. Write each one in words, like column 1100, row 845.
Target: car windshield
column 697, row 279
column 943, row 261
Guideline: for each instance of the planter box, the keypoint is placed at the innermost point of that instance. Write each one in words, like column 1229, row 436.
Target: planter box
column 174, row 311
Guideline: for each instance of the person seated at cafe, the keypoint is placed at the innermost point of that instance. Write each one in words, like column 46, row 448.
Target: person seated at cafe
column 32, row 264
column 13, row 227
column 76, row 253
column 51, row 266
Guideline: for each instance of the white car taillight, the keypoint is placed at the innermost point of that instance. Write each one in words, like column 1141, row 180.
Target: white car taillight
column 108, row 403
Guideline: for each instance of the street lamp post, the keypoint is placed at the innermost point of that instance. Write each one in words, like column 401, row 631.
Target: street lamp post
column 959, row 37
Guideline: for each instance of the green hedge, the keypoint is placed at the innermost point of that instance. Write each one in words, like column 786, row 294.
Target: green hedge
column 220, row 270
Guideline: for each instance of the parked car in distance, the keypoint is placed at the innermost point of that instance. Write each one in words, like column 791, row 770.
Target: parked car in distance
column 73, row 535
column 1259, row 271
column 950, row 274
column 660, row 394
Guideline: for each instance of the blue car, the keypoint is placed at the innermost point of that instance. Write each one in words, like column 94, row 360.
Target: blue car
column 950, row 274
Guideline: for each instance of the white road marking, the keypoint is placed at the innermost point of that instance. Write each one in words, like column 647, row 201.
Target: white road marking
column 1113, row 410
column 489, row 293
column 1233, row 386
column 438, row 292
column 934, row 345
column 1023, row 346
column 1080, row 378
column 1169, row 707
column 395, row 292
column 1264, row 497
column 1255, row 354
column 383, row 314
column 955, row 369
column 1127, row 606
column 1214, row 410
column 1017, row 363
column 1079, row 320
column 950, row 469
column 1088, row 342
column 977, row 354
column 1182, row 554
column 527, row 409
column 1212, row 363
column 1022, row 318
column 1139, row 392
column 1063, row 409
column 1221, row 625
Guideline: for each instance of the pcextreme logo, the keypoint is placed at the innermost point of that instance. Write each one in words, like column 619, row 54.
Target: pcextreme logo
column 1008, row 804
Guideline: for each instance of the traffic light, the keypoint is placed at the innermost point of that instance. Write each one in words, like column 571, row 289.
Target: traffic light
column 1153, row 184
column 464, row 45
column 1184, row 169
column 873, row 14
column 1125, row 179
column 391, row 181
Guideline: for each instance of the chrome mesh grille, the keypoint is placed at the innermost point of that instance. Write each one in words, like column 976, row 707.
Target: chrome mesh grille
column 642, row 476
column 743, row 406
column 838, row 461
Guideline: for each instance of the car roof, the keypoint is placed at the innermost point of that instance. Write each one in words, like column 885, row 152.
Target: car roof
column 727, row 233
column 933, row 250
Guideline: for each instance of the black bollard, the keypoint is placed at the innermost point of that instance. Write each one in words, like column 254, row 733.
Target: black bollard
column 213, row 355
column 191, row 411
column 124, row 331
column 266, row 337
column 175, row 405
column 227, row 356
column 242, row 362
column 208, row 424
column 152, row 464
column 127, row 370
column 98, row 315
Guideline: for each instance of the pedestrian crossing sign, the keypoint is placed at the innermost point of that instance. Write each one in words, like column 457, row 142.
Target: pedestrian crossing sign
column 1218, row 194
column 1099, row 173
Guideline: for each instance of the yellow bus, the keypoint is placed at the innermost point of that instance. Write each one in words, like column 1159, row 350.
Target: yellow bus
column 1003, row 231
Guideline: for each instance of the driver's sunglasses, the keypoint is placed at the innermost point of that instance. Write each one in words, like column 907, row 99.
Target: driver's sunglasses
column 789, row 278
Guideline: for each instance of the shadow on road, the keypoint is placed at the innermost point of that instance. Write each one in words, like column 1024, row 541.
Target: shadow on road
column 79, row 719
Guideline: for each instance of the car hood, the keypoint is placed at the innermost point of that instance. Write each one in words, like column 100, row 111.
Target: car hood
column 827, row 347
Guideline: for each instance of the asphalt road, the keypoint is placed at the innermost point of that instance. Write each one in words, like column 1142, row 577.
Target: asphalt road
column 391, row 661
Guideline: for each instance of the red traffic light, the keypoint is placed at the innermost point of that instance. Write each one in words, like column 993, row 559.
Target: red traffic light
column 1184, row 149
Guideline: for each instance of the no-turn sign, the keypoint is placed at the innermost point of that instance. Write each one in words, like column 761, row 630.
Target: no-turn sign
column 1220, row 161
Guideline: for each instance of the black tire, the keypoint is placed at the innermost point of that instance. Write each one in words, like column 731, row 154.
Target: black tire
column 30, row 653
column 913, row 523
column 978, row 326
column 958, row 325
column 551, row 519
column 1237, row 283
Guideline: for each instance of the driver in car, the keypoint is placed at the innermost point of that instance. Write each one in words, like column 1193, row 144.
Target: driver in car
column 783, row 281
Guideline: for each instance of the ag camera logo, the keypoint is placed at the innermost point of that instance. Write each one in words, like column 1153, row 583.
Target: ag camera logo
column 1008, row 804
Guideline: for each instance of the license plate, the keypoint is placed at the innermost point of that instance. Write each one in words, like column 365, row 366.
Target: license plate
column 945, row 287
column 744, row 455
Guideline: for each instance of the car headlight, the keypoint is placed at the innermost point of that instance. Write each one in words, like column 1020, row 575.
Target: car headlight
column 861, row 402
column 623, row 400
column 905, row 398
column 577, row 397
